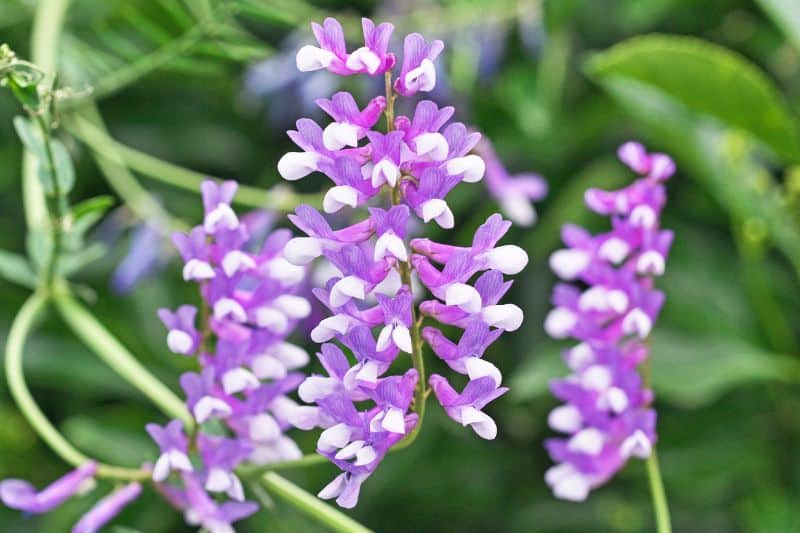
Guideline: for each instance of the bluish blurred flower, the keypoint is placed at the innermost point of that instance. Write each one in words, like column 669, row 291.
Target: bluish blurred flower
column 146, row 255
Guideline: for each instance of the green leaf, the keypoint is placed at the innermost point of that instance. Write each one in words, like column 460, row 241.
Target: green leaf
column 693, row 371
column 786, row 15
column 64, row 169
column 708, row 79
column 15, row 268
column 30, row 137
column 93, row 208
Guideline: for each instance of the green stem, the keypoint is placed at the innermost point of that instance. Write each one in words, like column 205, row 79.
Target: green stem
column 20, row 330
column 417, row 357
column 180, row 177
column 46, row 32
column 659, row 495
column 54, row 202
column 310, row 505
column 311, row 459
column 108, row 348
column 113, row 167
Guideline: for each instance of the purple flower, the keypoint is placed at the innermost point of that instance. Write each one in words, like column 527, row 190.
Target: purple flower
column 350, row 124
column 174, row 447
column 216, row 202
column 183, row 338
column 466, row 408
column 203, row 511
column 606, row 413
column 106, row 509
column 19, row 494
column 331, row 54
column 515, row 194
column 143, row 258
column 361, row 406
column 418, row 72
column 195, row 253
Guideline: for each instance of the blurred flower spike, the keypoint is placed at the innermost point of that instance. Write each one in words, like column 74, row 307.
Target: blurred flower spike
column 607, row 409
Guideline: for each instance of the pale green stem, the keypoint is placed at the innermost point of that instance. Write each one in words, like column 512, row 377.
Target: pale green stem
column 46, row 32
column 663, row 524
column 332, row 518
column 20, row 330
column 657, row 492
column 180, row 177
column 113, row 167
column 109, row 349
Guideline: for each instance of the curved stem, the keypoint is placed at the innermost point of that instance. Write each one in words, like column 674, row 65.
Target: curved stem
column 310, row 505
column 659, row 495
column 20, row 330
column 109, row 349
column 180, row 177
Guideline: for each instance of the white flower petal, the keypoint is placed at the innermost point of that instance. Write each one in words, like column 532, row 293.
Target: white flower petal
column 472, row 166
column 363, row 58
column 296, row 165
column 313, row 58
column 334, row 438
column 337, row 135
column 464, row 296
column 559, row 322
column 569, row 263
column 339, row 196
column 508, row 259
column 302, row 250
column 394, row 421
column 478, row 368
column 432, row 146
column 565, row 418
column 346, row 288
column 504, row 316
column 385, row 171
column 293, row 306
column 402, row 338
column 179, row 341
column 239, row 379
column 195, row 269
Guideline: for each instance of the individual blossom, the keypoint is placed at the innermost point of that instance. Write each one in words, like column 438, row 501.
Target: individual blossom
column 515, row 193
column 19, row 494
column 388, row 184
column 106, row 509
column 607, row 414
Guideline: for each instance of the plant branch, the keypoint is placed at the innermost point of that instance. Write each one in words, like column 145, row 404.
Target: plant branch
column 46, row 32
column 180, row 177
column 659, row 495
column 20, row 330
column 310, row 505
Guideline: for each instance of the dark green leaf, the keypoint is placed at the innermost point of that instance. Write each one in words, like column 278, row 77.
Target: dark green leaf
column 38, row 244
column 703, row 76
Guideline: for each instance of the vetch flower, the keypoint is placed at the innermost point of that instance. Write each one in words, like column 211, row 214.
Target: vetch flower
column 19, row 494
column 106, row 509
column 607, row 414
column 516, row 194
column 397, row 178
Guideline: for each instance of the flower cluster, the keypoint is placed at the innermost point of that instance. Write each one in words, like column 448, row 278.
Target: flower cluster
column 408, row 170
column 21, row 495
column 251, row 294
column 607, row 412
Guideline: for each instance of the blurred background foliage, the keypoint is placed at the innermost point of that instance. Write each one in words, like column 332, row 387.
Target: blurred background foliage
column 211, row 86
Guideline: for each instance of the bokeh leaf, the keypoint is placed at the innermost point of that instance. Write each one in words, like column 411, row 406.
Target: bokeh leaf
column 16, row 269
column 786, row 15
column 687, row 370
column 703, row 76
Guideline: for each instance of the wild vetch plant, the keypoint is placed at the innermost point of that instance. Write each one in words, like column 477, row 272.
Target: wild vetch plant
column 398, row 177
column 610, row 310
column 387, row 286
